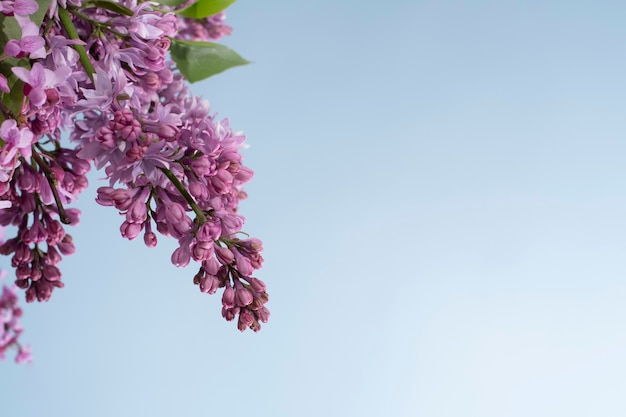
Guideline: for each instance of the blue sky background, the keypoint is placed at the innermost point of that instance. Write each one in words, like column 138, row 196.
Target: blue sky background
column 440, row 191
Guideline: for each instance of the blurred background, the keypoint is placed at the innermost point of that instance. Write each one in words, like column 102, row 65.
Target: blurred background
column 440, row 191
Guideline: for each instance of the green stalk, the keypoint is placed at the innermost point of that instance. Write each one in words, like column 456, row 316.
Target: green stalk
column 185, row 194
column 66, row 20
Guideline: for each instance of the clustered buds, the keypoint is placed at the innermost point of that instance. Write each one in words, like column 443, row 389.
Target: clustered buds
column 10, row 328
column 172, row 167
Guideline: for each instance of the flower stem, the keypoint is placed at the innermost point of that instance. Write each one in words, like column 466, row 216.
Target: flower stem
column 52, row 180
column 66, row 20
column 199, row 213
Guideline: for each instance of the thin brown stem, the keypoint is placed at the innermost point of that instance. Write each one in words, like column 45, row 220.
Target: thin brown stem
column 52, row 180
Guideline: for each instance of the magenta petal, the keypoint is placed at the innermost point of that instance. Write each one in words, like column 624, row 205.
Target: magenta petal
column 12, row 48
column 21, row 73
column 4, row 86
column 25, row 7
column 37, row 96
column 32, row 43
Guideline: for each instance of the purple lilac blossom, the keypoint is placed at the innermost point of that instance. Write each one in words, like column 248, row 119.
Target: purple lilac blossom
column 172, row 167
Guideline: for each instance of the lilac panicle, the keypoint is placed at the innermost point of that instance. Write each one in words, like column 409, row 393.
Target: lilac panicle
column 172, row 167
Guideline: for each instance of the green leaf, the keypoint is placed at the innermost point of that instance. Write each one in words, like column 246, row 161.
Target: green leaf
column 10, row 29
column 172, row 3
column 13, row 99
column 200, row 60
column 38, row 16
column 112, row 6
column 205, row 8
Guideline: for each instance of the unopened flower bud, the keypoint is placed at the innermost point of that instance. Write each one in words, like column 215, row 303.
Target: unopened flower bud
column 180, row 257
column 150, row 239
column 263, row 314
column 51, row 273
column 209, row 284
column 245, row 319
column 228, row 298
column 230, row 313
column 243, row 297
column 66, row 246
column 130, row 230
column 224, row 255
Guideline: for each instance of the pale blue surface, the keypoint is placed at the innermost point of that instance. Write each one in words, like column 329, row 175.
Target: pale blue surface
column 440, row 187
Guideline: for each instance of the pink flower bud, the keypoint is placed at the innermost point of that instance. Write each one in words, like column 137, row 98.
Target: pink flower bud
column 73, row 215
column 53, row 257
column 198, row 190
column 230, row 313
column 210, row 266
column 228, row 298
column 209, row 284
column 137, row 212
column 121, row 198
column 35, row 273
column 263, row 314
column 168, row 132
column 257, row 285
column 22, row 271
column 243, row 297
column 51, row 273
column 243, row 263
column 28, row 181
column 56, row 233
column 245, row 174
column 22, row 283
column 202, row 166
column 37, row 232
column 152, row 81
column 23, row 254
column 66, row 246
column 130, row 230
column 23, row 355
column 224, row 255
column 202, row 251
column 135, row 153
column 180, row 257
column 150, row 239
column 245, row 319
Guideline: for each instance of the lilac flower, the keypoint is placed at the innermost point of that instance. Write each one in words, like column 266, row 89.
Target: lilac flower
column 31, row 44
column 18, row 7
column 16, row 141
column 10, row 327
column 40, row 82
column 107, row 87
column 167, row 159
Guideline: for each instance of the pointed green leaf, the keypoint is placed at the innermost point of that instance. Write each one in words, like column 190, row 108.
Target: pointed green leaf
column 13, row 99
column 38, row 16
column 113, row 6
column 205, row 8
column 172, row 3
column 200, row 60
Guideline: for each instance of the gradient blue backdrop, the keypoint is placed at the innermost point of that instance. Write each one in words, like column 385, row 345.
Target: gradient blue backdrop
column 440, row 188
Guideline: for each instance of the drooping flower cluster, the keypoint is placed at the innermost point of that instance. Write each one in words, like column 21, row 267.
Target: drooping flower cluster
column 10, row 328
column 101, row 70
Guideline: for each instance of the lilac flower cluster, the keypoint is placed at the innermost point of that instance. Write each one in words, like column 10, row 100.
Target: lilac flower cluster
column 172, row 167
column 210, row 28
column 10, row 328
